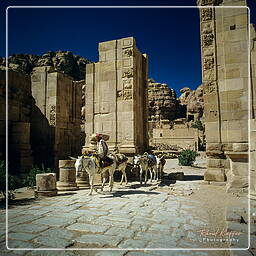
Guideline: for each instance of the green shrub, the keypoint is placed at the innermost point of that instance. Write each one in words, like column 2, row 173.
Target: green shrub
column 13, row 182
column 187, row 157
column 198, row 125
column 30, row 179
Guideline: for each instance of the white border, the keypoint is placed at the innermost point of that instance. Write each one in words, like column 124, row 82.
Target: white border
column 249, row 130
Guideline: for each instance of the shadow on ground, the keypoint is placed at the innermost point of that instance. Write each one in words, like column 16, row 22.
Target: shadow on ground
column 193, row 177
column 13, row 203
column 129, row 192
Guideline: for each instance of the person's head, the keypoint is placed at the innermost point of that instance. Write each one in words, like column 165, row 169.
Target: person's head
column 98, row 137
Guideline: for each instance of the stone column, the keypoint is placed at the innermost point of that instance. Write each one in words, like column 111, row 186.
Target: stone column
column 67, row 180
column 46, row 184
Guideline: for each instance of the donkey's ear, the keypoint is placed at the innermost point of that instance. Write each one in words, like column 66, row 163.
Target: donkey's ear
column 72, row 158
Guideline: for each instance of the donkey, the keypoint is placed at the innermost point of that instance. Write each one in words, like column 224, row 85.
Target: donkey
column 142, row 163
column 160, row 165
column 121, row 163
column 88, row 164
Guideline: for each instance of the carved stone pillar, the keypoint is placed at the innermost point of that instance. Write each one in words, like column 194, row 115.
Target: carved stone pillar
column 214, row 152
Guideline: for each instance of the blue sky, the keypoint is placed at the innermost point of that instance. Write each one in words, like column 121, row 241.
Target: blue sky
column 170, row 37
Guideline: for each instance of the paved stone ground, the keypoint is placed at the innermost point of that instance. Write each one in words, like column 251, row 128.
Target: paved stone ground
column 168, row 215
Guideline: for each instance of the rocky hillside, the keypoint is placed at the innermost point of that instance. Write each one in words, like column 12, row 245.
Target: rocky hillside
column 193, row 99
column 63, row 61
column 161, row 100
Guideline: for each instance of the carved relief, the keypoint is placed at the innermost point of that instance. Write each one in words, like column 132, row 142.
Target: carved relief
column 127, row 94
column 206, row 14
column 127, row 83
column 208, row 63
column 127, row 52
column 208, row 52
column 207, row 40
column 207, row 28
column 209, row 75
column 52, row 120
column 209, row 88
column 127, row 73
column 120, row 94
column 207, row 2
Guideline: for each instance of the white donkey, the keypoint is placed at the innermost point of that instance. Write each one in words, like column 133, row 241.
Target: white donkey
column 160, row 165
column 141, row 162
column 88, row 164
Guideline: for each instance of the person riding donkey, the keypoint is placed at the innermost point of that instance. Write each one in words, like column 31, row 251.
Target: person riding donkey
column 102, row 151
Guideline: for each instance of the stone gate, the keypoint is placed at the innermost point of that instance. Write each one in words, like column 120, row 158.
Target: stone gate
column 116, row 96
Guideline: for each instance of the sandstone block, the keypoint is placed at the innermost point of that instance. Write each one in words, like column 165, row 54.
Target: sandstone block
column 214, row 174
column 240, row 147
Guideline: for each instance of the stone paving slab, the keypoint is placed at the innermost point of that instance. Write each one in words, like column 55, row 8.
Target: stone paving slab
column 21, row 236
column 58, row 232
column 50, row 242
column 87, row 228
column 53, row 221
column 99, row 240
column 28, row 228
column 133, row 243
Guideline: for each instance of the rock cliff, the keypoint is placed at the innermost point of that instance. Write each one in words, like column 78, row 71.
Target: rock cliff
column 193, row 99
column 161, row 101
column 63, row 61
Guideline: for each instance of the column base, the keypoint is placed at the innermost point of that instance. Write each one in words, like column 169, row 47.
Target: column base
column 46, row 193
column 64, row 186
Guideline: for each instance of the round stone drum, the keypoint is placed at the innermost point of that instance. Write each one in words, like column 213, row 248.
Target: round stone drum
column 46, row 184
column 67, row 180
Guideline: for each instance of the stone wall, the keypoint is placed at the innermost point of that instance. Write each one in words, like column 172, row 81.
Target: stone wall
column 20, row 104
column 253, row 117
column 176, row 134
column 224, row 44
column 116, row 96
column 56, row 116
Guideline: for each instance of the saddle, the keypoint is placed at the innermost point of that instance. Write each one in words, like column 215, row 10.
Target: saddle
column 120, row 158
column 101, row 162
column 151, row 160
column 106, row 161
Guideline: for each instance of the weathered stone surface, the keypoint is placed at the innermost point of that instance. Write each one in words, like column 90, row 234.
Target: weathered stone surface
column 46, row 184
column 161, row 101
column 120, row 108
column 214, row 174
column 64, row 61
column 193, row 99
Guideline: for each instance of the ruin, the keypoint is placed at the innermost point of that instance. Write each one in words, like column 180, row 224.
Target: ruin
column 171, row 120
column 116, row 97
column 224, row 43
column 20, row 105
column 56, row 117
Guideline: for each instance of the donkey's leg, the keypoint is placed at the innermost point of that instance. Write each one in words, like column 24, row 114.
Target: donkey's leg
column 91, row 184
column 125, row 176
column 151, row 174
column 103, row 178
column 146, row 176
column 122, row 179
column 111, row 179
column 141, row 175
